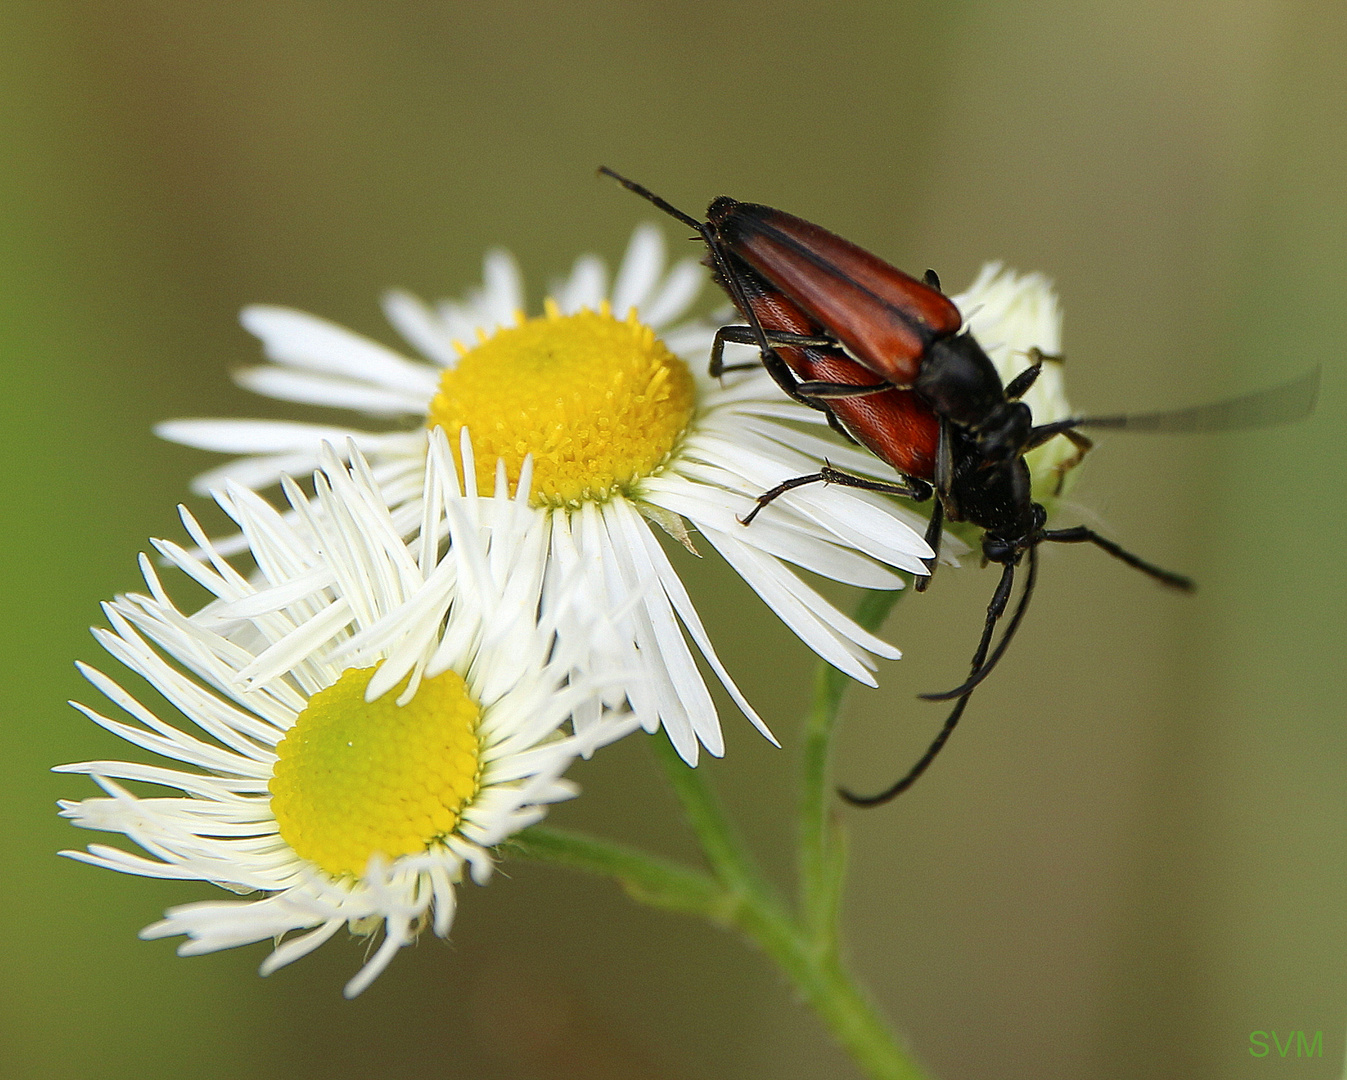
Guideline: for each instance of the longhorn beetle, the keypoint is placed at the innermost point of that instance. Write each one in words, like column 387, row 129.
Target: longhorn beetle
column 885, row 357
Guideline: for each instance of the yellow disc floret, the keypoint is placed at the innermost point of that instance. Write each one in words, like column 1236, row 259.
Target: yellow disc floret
column 354, row 777
column 599, row 402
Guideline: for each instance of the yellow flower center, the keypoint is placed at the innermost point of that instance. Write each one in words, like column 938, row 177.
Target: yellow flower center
column 599, row 403
column 355, row 777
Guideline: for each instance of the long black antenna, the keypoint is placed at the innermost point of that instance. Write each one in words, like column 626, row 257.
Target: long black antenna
column 986, row 669
column 668, row 208
column 994, row 611
column 722, row 260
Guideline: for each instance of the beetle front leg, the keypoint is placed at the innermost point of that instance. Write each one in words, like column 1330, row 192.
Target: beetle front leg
column 1019, row 385
column 823, row 391
column 777, row 368
column 745, row 335
column 830, row 391
column 944, row 482
column 1040, row 435
column 934, row 531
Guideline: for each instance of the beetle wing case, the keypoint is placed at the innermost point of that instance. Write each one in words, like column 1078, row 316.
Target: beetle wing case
column 886, row 318
column 897, row 426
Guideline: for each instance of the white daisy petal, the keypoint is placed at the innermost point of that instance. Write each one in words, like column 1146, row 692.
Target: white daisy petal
column 586, row 287
column 640, row 270
column 420, row 325
column 291, row 950
column 626, row 529
column 251, row 436
column 673, row 297
column 306, row 341
column 502, row 294
column 1012, row 315
column 776, row 536
column 639, row 537
column 801, row 608
column 275, row 793
column 322, row 390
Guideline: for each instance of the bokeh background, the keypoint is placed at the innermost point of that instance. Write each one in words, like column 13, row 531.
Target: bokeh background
column 1132, row 854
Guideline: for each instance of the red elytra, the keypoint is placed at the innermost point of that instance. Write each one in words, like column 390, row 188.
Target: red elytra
column 895, row 425
column 884, row 317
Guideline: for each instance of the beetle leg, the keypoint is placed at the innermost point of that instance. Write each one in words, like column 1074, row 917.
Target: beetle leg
column 980, row 673
column 744, row 335
column 740, row 335
column 944, row 482
column 1043, row 432
column 785, row 337
column 724, row 268
column 800, row 391
column 829, row 475
column 944, row 470
column 934, row 531
column 944, row 461
column 1039, row 435
column 776, row 367
column 1081, row 535
column 1019, row 385
column 828, row 390
column 1083, row 446
column 994, row 610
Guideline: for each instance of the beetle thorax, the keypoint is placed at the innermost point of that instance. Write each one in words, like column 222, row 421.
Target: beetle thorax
column 960, row 381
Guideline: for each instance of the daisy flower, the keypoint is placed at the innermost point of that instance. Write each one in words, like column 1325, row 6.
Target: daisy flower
column 348, row 782
column 1014, row 316
column 607, row 391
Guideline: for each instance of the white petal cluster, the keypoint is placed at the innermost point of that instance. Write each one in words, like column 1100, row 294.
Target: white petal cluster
column 736, row 447
column 1012, row 315
column 240, row 670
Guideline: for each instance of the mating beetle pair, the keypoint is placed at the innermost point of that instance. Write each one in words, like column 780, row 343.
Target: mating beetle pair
column 883, row 355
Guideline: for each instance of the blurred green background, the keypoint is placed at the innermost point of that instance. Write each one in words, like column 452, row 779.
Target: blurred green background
column 1132, row 854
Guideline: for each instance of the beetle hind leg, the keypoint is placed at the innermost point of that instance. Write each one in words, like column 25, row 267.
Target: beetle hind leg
column 1082, row 535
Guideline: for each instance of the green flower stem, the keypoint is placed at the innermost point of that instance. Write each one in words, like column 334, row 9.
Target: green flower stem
column 652, row 881
column 822, row 854
column 830, row 990
column 821, row 980
column 736, row 895
column 725, row 853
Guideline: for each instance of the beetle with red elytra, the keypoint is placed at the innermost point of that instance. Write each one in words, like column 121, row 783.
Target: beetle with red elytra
column 886, row 358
